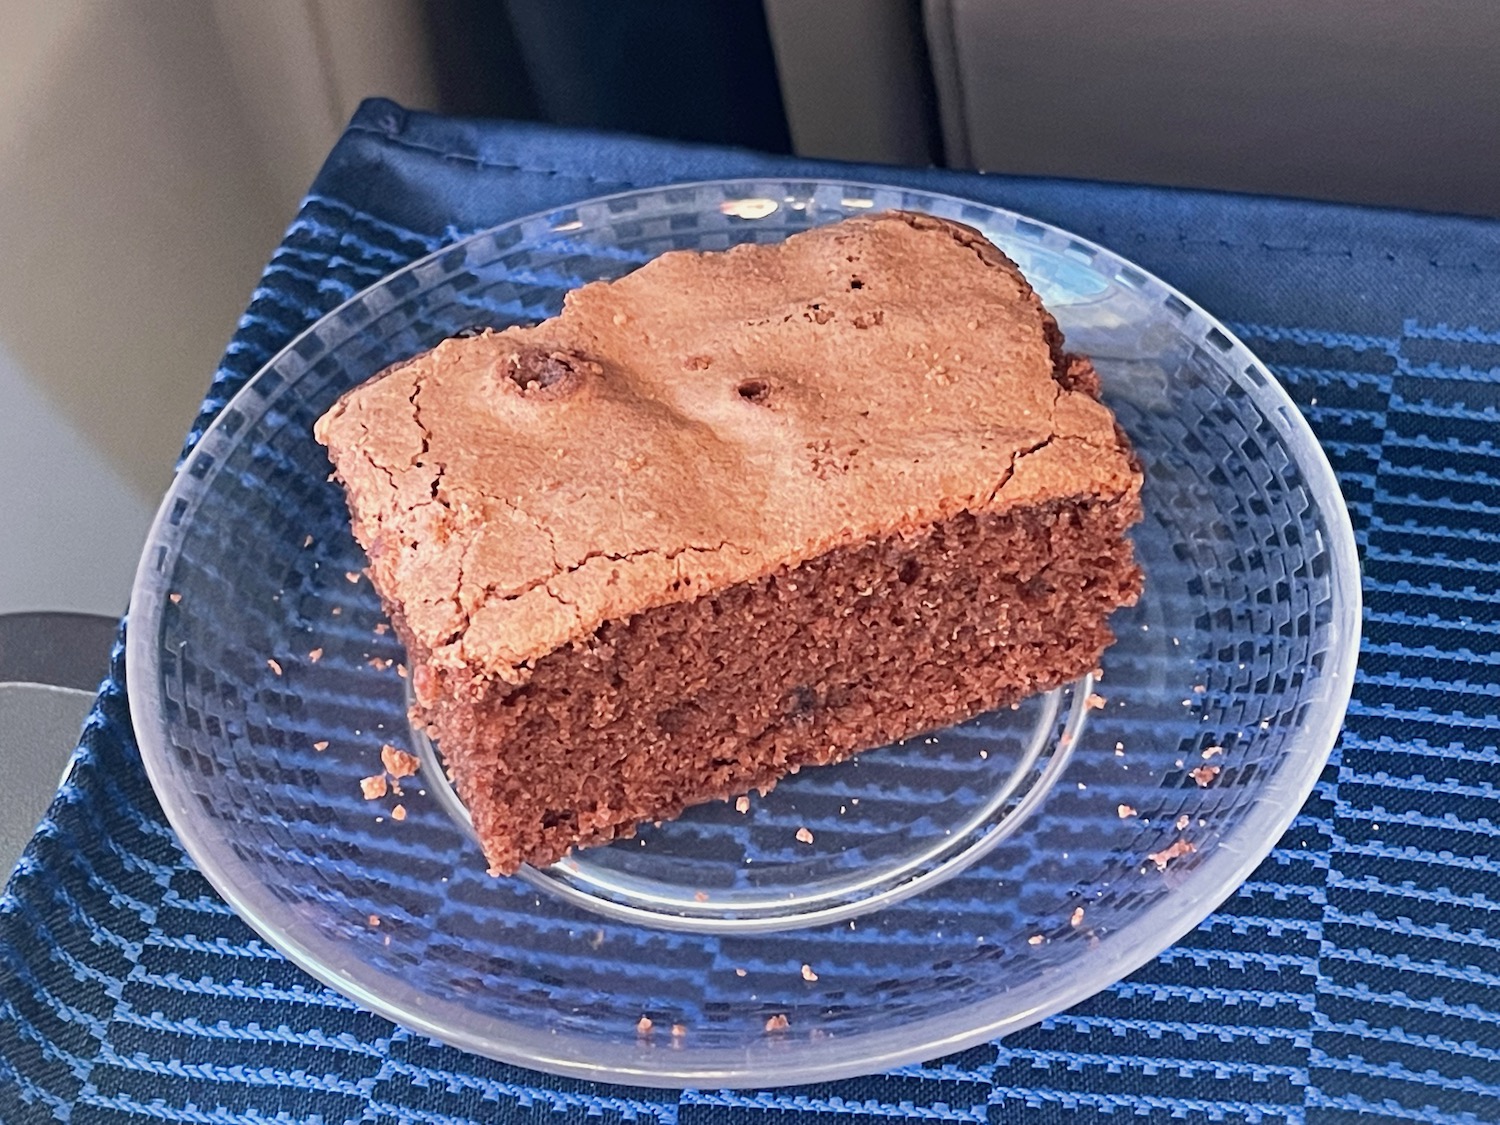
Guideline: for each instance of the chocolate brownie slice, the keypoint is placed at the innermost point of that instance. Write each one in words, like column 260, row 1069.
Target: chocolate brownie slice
column 733, row 514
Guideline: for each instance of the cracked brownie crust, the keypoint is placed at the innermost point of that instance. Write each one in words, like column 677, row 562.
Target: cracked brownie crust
column 736, row 513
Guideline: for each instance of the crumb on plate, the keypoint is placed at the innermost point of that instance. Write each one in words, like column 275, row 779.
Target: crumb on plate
column 373, row 787
column 1169, row 853
column 1204, row 775
column 398, row 763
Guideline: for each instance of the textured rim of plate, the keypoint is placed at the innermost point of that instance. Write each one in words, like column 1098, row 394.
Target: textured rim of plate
column 1221, row 872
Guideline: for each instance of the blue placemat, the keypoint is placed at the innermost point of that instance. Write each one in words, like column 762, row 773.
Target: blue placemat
column 1355, row 976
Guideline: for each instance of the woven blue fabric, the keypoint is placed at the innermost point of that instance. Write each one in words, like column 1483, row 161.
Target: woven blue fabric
column 1355, row 976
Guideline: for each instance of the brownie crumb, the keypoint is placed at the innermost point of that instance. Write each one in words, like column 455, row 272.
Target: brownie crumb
column 315, row 655
column 1125, row 812
column 274, row 666
column 808, row 974
column 777, row 1022
column 374, row 919
column 1169, row 853
column 742, row 804
column 321, row 744
column 398, row 763
column 352, row 575
column 1212, row 751
column 373, row 787
column 1183, row 821
column 174, row 598
column 804, row 836
column 398, row 812
column 1035, row 939
column 1204, row 775
column 1095, row 701
column 1076, row 919
column 679, row 1030
column 643, row 1026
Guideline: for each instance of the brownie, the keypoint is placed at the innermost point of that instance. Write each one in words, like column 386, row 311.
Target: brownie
column 734, row 514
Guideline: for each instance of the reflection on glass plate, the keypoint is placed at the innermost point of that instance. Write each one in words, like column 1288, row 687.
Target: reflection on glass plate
column 961, row 886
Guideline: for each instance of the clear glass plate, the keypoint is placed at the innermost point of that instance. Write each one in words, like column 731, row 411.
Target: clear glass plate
column 956, row 888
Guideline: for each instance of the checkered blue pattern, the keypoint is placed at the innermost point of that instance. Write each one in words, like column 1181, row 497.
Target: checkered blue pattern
column 1355, row 976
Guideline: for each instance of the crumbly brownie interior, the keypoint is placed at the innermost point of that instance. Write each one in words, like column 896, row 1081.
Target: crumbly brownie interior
column 713, row 697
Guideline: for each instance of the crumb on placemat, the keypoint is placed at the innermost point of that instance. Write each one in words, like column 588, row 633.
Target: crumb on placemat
column 275, row 666
column 321, row 744
column 804, row 836
column 398, row 812
column 778, row 1022
column 373, row 787
column 315, row 655
column 1125, row 812
column 808, row 974
column 643, row 1025
column 174, row 598
column 742, row 804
